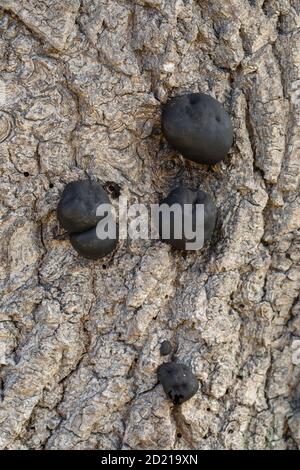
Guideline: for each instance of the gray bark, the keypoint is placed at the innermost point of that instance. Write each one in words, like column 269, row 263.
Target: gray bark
column 82, row 84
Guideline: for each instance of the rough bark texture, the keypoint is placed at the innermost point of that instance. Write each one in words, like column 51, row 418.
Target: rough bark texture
column 82, row 88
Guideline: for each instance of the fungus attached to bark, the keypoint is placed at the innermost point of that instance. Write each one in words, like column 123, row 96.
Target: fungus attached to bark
column 113, row 189
column 198, row 127
column 88, row 245
column 77, row 207
column 184, row 196
column 77, row 213
column 178, row 381
column 165, row 348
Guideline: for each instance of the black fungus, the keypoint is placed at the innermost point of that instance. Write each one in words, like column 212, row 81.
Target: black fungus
column 77, row 207
column 76, row 213
column 198, row 127
column 113, row 188
column 165, row 348
column 178, row 381
column 184, row 195
column 88, row 245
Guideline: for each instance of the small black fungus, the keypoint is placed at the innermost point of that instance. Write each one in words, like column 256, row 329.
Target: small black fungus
column 198, row 127
column 77, row 207
column 165, row 348
column 178, row 381
column 183, row 195
column 76, row 213
column 88, row 245
column 113, row 188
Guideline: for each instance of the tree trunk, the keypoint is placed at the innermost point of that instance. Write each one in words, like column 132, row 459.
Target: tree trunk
column 81, row 90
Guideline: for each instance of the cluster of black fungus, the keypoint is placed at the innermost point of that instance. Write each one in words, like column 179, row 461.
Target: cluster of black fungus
column 182, row 196
column 76, row 213
column 198, row 127
column 178, row 381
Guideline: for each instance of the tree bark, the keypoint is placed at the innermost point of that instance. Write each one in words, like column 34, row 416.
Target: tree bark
column 81, row 90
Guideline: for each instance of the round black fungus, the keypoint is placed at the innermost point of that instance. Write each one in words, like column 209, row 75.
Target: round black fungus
column 198, row 127
column 178, row 381
column 183, row 195
column 77, row 207
column 88, row 245
column 165, row 348
column 76, row 212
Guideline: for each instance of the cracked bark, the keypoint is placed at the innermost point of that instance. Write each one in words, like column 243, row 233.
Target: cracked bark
column 79, row 340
